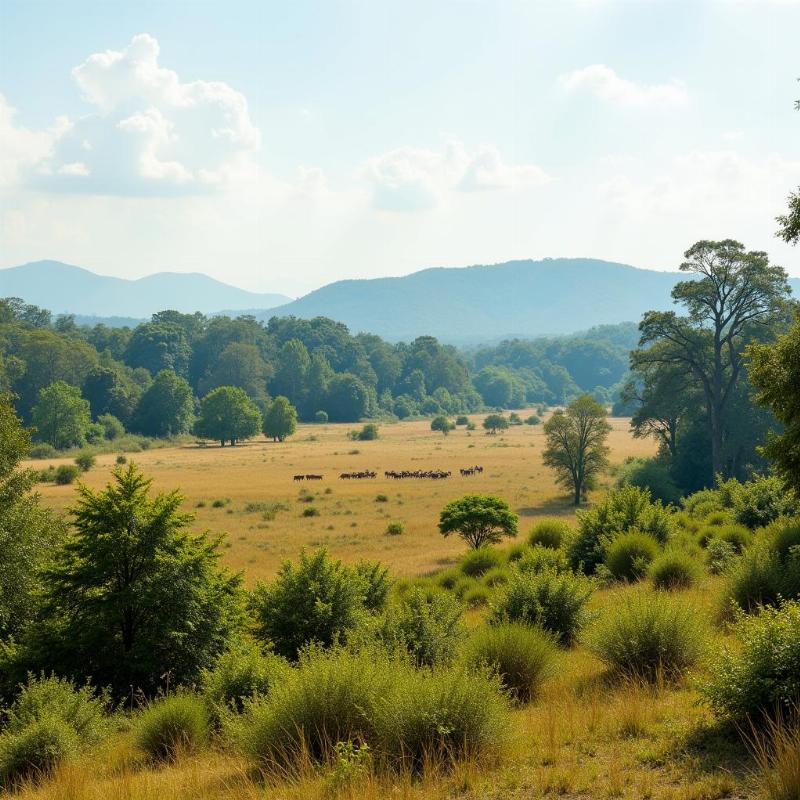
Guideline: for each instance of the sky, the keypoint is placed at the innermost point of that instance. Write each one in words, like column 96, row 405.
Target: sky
column 279, row 146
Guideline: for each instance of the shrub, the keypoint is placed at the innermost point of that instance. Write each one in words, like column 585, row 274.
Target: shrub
column 647, row 635
column 516, row 551
column 762, row 500
column 395, row 528
column 719, row 556
column 381, row 498
column 471, row 426
column 541, row 559
column 777, row 753
column 762, row 674
column 427, row 625
column 448, row 578
column 240, row 674
column 434, row 718
column 374, row 582
column 121, row 459
column 66, row 473
column 34, row 750
column 43, row 450
column 477, row 596
column 549, row 533
column 475, row 563
column 85, row 461
column 783, row 535
column 651, row 474
column 310, row 511
column 618, row 512
column 533, row 419
column 521, row 656
column 497, row 576
column 319, row 600
column 761, row 577
column 736, row 535
column 321, row 416
column 171, row 726
column 461, row 419
column 112, row 427
column 368, row 433
column 554, row 601
column 674, row 569
column 717, row 518
column 629, row 554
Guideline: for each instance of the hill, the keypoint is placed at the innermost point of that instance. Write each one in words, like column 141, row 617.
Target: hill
column 64, row 288
column 485, row 303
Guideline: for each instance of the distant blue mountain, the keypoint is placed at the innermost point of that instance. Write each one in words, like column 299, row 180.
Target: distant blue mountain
column 63, row 288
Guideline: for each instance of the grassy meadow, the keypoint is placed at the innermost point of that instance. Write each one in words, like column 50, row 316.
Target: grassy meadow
column 261, row 509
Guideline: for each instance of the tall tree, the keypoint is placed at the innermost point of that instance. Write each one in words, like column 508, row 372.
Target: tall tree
column 735, row 293
column 166, row 408
column 227, row 414
column 132, row 595
column 280, row 419
column 479, row 519
column 61, row 416
column 292, row 370
column 576, row 444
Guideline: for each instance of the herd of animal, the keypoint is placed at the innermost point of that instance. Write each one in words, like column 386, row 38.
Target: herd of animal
column 433, row 474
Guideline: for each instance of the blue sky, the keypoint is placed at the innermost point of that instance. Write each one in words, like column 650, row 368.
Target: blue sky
column 280, row 146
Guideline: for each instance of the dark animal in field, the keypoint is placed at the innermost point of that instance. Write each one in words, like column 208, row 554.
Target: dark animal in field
column 471, row 471
column 356, row 475
column 434, row 474
column 299, row 477
column 313, row 477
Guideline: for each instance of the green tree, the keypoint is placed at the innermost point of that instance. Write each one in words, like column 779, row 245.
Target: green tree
column 239, row 365
column 157, row 346
column 292, row 372
column 132, row 596
column 479, row 519
column 495, row 422
column 110, row 391
column 736, row 293
column 775, row 372
column 227, row 414
column 347, row 399
column 166, row 408
column 28, row 532
column 576, row 444
column 441, row 423
column 280, row 419
column 61, row 416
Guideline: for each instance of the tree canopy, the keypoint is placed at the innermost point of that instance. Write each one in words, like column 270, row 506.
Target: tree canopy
column 479, row 519
column 280, row 419
column 227, row 414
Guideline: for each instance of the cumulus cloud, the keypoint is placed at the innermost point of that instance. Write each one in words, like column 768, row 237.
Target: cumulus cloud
column 149, row 132
column 415, row 179
column 605, row 84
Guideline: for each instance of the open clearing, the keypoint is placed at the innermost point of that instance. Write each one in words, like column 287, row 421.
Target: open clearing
column 260, row 508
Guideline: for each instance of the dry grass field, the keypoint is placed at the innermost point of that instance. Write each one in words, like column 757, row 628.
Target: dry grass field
column 351, row 521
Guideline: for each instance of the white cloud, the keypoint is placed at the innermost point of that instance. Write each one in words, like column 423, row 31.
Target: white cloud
column 20, row 149
column 75, row 168
column 606, row 85
column 414, row 179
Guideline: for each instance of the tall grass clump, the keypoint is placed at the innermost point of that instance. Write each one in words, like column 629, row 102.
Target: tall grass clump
column 540, row 559
column 674, row 569
column 782, row 536
column 777, row 752
column 553, row 601
column 239, row 674
column 761, row 676
column 549, row 533
column 737, row 536
column 521, row 656
column 35, row 750
column 647, row 635
column 172, row 726
column 475, row 563
column 629, row 555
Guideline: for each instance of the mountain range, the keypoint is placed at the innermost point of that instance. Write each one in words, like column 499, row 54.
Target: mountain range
column 459, row 305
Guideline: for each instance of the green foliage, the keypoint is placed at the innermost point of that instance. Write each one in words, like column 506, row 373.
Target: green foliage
column 476, row 596
column 762, row 500
column 720, row 555
column 549, row 533
column 761, row 576
column 761, row 676
column 35, row 750
column 647, row 635
column 280, row 419
column 239, row 674
column 172, row 726
column 497, row 576
column 479, row 519
column 462, row 419
column 629, row 554
column 85, row 461
column 368, row 433
column 533, row 419
column 427, row 625
column 521, row 656
column 475, row 563
column 494, row 423
column 166, row 408
column 443, row 424
column 618, row 512
column 553, row 601
column 131, row 594
column 43, row 450
column 737, row 536
column 541, row 559
column 651, row 474
column 112, row 427
column 576, row 445
column 395, row 528
column 674, row 569
column 783, row 535
column 321, row 417
column 66, row 474
column 375, row 584
column 61, row 416
column 311, row 511
column 227, row 414
column 318, row 600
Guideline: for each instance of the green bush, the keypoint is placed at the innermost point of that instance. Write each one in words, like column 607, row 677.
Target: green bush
column 395, row 528
column 651, row 474
column 34, row 750
column 762, row 674
column 554, row 601
column 461, row 419
column 321, row 417
column 516, row 551
column 674, row 569
column 549, row 533
column 318, row 600
column 172, row 726
column 85, row 461
column 368, row 433
column 533, row 419
column 783, row 535
column 647, row 635
column 112, row 427
column 375, row 584
column 66, row 473
column 736, row 535
column 427, row 625
column 240, row 674
column 700, row 504
column 381, row 498
column 761, row 577
column 477, row 596
column 541, row 559
column 521, row 656
column 720, row 556
column 43, row 450
column 497, row 576
column 448, row 578
column 475, row 563
column 628, row 555
column 310, row 511
column 762, row 500
column 618, row 512
column 121, row 459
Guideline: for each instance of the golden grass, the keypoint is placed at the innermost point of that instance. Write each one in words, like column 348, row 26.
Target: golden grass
column 350, row 523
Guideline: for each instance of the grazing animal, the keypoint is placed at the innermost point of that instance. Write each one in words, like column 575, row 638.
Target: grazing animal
column 313, row 477
column 299, row 477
